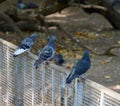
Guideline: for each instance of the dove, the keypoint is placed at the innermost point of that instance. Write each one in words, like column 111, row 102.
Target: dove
column 30, row 5
column 80, row 68
column 47, row 53
column 25, row 45
column 58, row 59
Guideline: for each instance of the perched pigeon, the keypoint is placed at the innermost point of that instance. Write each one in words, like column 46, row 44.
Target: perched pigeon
column 21, row 5
column 58, row 59
column 25, row 45
column 80, row 68
column 113, row 2
column 47, row 53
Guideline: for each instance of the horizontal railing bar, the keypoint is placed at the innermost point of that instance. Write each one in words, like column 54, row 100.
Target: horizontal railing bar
column 102, row 89
column 8, row 43
column 59, row 68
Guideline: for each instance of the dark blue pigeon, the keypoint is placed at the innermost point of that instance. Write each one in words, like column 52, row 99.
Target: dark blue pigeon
column 58, row 59
column 25, row 45
column 113, row 2
column 21, row 5
column 80, row 68
column 47, row 53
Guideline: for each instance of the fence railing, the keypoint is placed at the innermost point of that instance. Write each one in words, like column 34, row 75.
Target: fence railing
column 22, row 85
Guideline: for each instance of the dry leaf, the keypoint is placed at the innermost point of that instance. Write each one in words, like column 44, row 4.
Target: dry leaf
column 107, row 76
column 69, row 65
column 118, row 42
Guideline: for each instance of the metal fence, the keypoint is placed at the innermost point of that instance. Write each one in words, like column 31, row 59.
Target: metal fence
column 22, row 85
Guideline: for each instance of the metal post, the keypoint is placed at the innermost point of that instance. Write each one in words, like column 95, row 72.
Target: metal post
column 0, row 70
column 16, row 80
column 62, row 96
column 102, row 99
column 0, row 57
column 0, row 95
column 33, row 85
column 78, row 93
column 66, row 100
column 62, row 101
column 53, row 86
column 8, row 75
column 24, row 77
column 43, row 83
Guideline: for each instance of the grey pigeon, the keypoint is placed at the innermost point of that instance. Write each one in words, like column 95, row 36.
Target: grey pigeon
column 29, row 5
column 47, row 53
column 25, row 45
column 58, row 59
column 80, row 68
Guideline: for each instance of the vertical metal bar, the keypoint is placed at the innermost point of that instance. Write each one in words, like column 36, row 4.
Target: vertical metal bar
column 75, row 93
column 78, row 93
column 0, row 71
column 33, row 85
column 24, row 77
column 8, row 75
column 62, row 99
column 53, row 86
column 65, row 91
column 0, row 96
column 43, row 83
column 16, row 80
column 66, row 100
column 102, row 99
column 0, row 57
column 62, row 96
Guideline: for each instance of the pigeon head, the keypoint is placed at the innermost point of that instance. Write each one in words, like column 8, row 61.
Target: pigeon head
column 34, row 36
column 20, row 1
column 86, row 54
column 52, row 39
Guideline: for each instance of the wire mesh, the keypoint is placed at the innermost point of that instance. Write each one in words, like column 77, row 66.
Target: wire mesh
column 22, row 85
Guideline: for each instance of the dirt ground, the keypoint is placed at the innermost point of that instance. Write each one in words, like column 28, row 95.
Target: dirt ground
column 100, row 36
column 105, row 69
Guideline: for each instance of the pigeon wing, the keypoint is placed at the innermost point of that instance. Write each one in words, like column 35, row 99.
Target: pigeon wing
column 27, row 43
column 82, row 66
column 72, row 76
column 47, row 53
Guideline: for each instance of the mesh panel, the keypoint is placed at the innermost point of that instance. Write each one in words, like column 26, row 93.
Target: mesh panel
column 91, row 96
column 22, row 85
column 110, row 101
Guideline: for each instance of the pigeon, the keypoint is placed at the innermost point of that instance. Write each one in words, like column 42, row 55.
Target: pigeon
column 58, row 59
column 21, row 5
column 47, row 53
column 80, row 68
column 25, row 45
column 114, row 3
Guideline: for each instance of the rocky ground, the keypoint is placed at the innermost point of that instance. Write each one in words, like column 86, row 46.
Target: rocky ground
column 99, row 35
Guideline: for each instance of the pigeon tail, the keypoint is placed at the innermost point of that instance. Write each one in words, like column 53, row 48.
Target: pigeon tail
column 61, row 61
column 37, row 63
column 15, row 55
column 70, row 78
column 19, row 51
column 68, row 81
column 31, row 5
